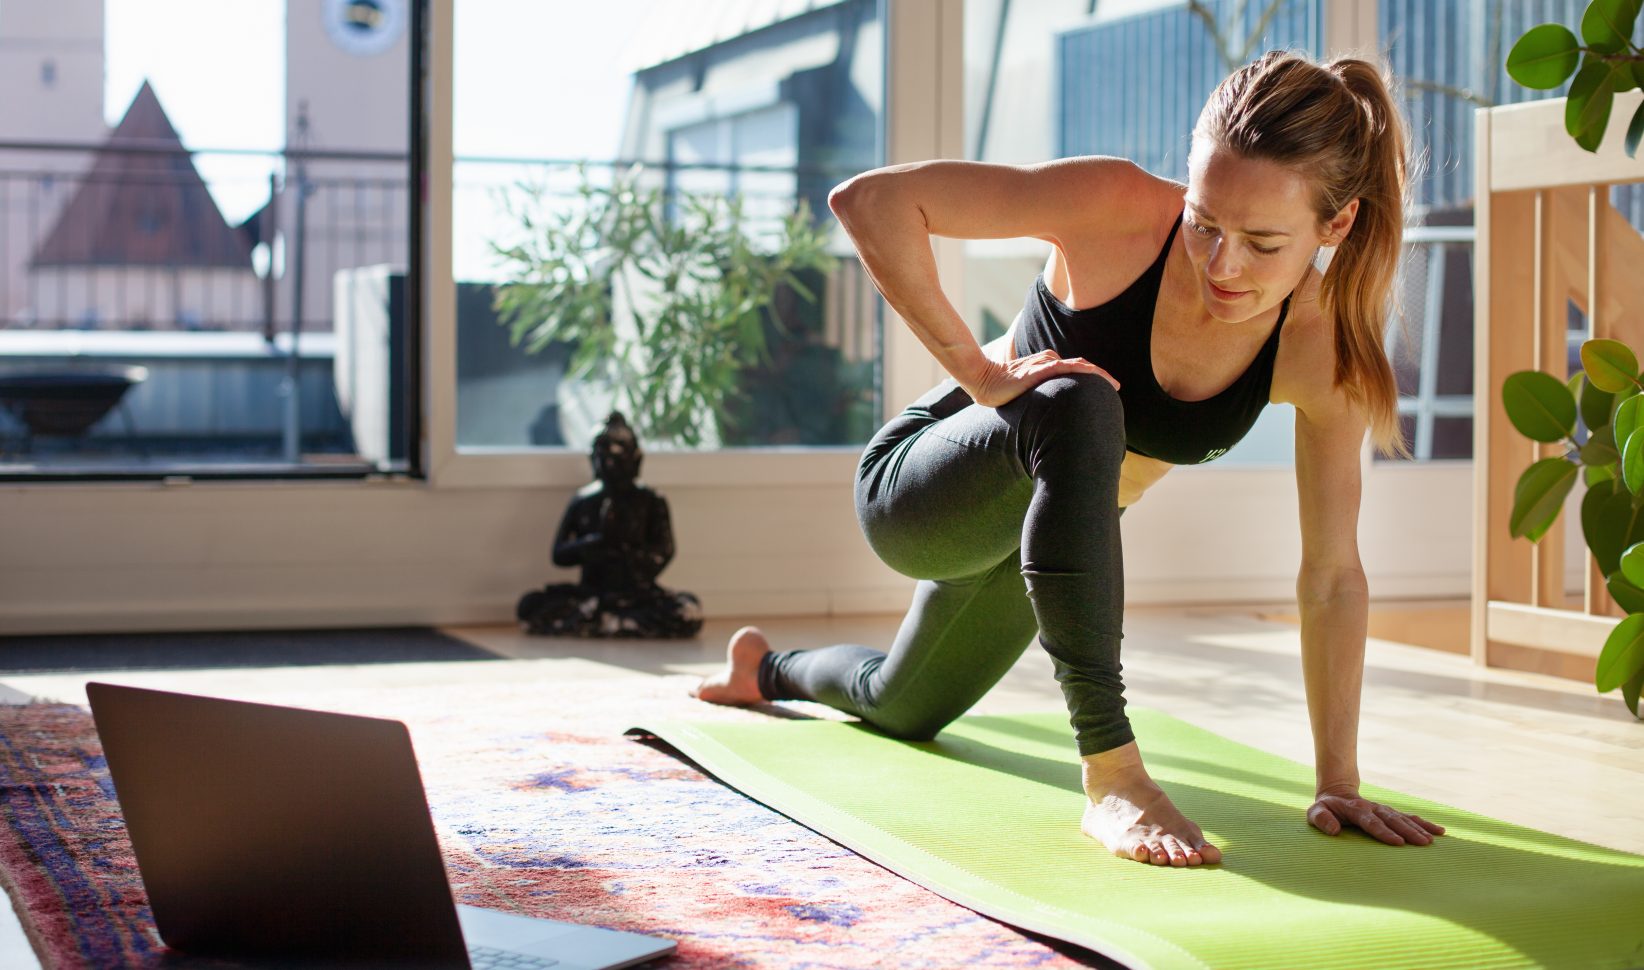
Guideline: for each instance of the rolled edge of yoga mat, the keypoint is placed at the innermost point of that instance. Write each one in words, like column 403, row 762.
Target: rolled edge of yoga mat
column 951, row 882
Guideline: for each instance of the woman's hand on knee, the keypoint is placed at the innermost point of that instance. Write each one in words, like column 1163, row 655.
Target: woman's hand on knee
column 1001, row 383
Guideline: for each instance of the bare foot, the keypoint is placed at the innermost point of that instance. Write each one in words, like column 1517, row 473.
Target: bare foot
column 1136, row 820
column 738, row 683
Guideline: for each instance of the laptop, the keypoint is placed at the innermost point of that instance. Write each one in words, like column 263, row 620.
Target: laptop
column 278, row 835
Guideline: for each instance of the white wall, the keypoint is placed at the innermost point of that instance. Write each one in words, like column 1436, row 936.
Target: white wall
column 218, row 555
column 215, row 555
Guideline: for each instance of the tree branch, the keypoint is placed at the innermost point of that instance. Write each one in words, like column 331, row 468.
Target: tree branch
column 1416, row 84
column 1256, row 32
column 1198, row 9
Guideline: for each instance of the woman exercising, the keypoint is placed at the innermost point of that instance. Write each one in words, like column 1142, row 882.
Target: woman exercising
column 1167, row 316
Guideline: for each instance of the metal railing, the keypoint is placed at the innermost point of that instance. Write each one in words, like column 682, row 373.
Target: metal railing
column 92, row 274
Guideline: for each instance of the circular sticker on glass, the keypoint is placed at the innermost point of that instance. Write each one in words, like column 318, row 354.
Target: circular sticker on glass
column 364, row 27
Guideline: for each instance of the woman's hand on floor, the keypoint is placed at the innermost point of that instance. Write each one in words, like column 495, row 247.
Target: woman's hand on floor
column 1332, row 811
column 1000, row 383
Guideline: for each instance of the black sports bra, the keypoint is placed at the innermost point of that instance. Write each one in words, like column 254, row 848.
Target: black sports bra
column 1118, row 337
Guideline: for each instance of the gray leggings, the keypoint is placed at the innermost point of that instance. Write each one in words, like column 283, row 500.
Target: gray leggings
column 1009, row 519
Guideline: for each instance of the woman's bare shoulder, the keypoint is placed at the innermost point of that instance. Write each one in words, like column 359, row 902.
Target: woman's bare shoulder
column 1131, row 199
column 1304, row 373
column 1110, row 244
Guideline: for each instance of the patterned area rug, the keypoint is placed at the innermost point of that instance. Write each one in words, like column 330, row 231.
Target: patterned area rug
column 542, row 808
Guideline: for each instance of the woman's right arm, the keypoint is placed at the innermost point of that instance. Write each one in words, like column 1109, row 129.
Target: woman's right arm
column 891, row 213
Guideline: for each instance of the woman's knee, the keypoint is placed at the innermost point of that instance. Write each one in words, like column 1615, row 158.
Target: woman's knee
column 1081, row 410
column 1081, row 397
column 908, row 723
column 906, row 711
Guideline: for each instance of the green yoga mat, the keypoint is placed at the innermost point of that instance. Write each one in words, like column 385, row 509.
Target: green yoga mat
column 987, row 815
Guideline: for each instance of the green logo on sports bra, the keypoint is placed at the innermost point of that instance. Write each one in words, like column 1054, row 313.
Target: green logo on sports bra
column 1214, row 454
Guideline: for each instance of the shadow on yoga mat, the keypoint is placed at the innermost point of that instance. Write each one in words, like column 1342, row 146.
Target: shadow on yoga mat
column 988, row 816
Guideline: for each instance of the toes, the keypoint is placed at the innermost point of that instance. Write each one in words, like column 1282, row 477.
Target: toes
column 1180, row 855
column 1209, row 853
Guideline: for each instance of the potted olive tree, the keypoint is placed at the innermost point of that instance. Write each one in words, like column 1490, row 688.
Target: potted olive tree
column 666, row 300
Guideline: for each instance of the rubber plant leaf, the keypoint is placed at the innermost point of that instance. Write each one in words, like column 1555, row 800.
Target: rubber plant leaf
column 1539, row 495
column 1597, row 406
column 1587, row 106
column 1632, row 462
column 1610, row 523
column 1595, row 474
column 1539, row 406
column 1607, row 24
column 1544, row 57
column 1622, row 656
column 1610, row 364
column 1627, row 416
column 1600, row 448
column 1625, row 594
column 1631, row 689
column 1632, row 565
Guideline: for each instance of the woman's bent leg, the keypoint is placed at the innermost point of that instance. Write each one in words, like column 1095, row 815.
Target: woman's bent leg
column 1009, row 516
column 959, row 637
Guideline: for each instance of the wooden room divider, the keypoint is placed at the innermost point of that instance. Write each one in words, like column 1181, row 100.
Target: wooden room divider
column 1548, row 238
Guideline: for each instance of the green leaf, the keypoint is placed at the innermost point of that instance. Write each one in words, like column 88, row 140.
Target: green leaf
column 1627, row 416
column 1608, row 24
column 1622, row 397
column 1539, row 496
column 1539, row 406
column 1610, row 524
column 1632, row 564
column 1632, row 461
column 1610, row 364
column 1587, row 106
column 1595, row 404
column 1631, row 689
column 1600, row 448
column 1623, row 654
column 1595, row 474
column 1544, row 57
column 1626, row 595
column 1635, row 131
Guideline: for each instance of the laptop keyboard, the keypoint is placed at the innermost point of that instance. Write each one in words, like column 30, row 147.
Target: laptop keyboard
column 491, row 958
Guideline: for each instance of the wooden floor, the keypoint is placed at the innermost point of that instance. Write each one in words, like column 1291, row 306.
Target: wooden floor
column 1527, row 748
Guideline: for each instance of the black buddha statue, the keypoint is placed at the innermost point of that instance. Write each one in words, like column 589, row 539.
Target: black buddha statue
column 619, row 532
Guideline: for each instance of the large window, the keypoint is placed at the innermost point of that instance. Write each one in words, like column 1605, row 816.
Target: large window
column 640, row 223
column 202, row 219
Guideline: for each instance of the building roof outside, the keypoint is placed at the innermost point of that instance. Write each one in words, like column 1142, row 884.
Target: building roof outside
column 143, row 208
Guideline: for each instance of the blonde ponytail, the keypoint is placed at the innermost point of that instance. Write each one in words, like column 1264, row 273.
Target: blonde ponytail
column 1339, row 125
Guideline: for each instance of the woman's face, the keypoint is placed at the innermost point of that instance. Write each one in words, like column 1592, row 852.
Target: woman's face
column 1250, row 232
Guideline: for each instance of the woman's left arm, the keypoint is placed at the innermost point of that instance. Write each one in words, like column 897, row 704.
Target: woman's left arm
column 1333, row 598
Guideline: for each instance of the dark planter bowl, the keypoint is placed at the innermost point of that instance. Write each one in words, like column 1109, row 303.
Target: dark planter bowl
column 66, row 402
